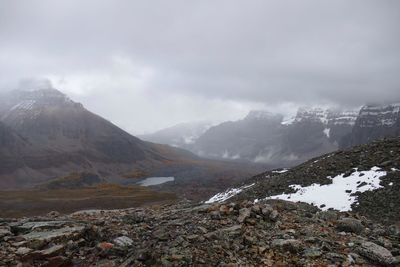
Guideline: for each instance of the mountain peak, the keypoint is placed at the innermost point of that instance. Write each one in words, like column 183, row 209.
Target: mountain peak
column 33, row 97
column 325, row 115
column 313, row 113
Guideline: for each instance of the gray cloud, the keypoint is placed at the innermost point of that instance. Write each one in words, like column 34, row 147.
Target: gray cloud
column 149, row 64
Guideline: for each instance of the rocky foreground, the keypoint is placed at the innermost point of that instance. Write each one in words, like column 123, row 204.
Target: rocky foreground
column 272, row 233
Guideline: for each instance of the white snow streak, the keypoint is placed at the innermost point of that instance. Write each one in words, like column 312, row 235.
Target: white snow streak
column 327, row 132
column 24, row 105
column 281, row 171
column 221, row 197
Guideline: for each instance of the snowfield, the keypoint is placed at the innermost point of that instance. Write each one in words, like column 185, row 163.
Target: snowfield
column 221, row 197
column 338, row 194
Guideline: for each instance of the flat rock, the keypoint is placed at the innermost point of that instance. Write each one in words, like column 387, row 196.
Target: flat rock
column 29, row 226
column 23, row 251
column 62, row 233
column 47, row 253
column 312, row 253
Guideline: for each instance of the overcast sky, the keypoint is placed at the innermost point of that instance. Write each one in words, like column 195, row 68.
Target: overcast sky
column 150, row 64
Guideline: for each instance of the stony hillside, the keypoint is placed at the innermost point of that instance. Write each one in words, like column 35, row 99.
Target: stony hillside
column 270, row 233
column 365, row 179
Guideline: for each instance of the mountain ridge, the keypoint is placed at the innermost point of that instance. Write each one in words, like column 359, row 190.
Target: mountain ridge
column 65, row 137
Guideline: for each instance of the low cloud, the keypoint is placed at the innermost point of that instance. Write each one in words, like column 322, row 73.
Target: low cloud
column 149, row 64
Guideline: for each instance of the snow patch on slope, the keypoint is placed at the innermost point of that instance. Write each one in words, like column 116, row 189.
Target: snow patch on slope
column 327, row 132
column 338, row 194
column 288, row 121
column 24, row 105
column 221, row 197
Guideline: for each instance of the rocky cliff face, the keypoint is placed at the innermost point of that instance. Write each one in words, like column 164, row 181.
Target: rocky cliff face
column 240, row 140
column 315, row 131
column 374, row 122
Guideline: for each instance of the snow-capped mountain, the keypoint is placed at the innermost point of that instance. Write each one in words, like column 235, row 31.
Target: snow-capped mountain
column 374, row 122
column 266, row 137
column 326, row 116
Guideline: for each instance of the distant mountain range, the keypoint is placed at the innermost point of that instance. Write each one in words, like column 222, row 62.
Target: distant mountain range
column 266, row 137
column 44, row 135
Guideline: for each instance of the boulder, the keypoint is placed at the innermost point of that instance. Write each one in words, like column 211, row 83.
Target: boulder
column 123, row 241
column 376, row 253
column 350, row 225
column 4, row 231
column 274, row 216
column 215, row 215
column 243, row 214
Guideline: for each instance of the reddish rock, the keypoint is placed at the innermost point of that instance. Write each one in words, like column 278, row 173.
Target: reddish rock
column 105, row 246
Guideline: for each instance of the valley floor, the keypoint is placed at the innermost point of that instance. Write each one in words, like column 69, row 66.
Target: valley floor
column 269, row 233
column 104, row 196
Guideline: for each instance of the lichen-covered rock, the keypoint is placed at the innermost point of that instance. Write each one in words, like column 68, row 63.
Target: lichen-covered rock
column 4, row 231
column 123, row 241
column 350, row 225
column 376, row 253
column 243, row 214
